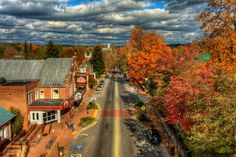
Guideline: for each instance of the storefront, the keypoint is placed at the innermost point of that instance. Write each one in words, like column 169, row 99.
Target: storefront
column 44, row 111
column 43, row 117
column 81, row 82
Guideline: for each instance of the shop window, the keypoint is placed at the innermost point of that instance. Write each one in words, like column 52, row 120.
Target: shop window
column 33, row 116
column 37, row 116
column 49, row 116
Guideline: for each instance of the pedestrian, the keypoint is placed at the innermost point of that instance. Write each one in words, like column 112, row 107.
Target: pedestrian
column 87, row 110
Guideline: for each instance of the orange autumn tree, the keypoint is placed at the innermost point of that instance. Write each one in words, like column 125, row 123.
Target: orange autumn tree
column 144, row 50
column 219, row 25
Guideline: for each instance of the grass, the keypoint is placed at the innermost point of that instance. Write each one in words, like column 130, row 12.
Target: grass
column 85, row 121
column 92, row 105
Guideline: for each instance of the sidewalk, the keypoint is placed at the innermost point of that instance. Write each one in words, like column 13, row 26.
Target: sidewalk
column 61, row 132
column 165, row 140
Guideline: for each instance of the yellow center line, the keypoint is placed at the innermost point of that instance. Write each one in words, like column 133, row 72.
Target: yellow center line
column 117, row 124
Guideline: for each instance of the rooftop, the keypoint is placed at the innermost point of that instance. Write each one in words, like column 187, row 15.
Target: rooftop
column 51, row 72
column 16, row 83
column 5, row 116
column 47, row 102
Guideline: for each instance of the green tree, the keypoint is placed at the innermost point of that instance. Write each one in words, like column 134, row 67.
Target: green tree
column 17, row 47
column 98, row 61
column 17, row 123
column 2, row 50
column 53, row 51
column 26, row 51
column 92, row 82
column 30, row 48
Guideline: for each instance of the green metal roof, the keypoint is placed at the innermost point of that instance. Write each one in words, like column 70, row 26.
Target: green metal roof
column 5, row 116
column 90, row 65
column 206, row 56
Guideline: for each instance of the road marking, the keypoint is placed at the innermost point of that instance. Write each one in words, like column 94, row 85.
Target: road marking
column 83, row 135
column 117, row 124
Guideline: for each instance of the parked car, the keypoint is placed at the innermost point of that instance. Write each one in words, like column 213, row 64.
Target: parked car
column 102, row 83
column 99, row 88
column 153, row 136
column 139, row 104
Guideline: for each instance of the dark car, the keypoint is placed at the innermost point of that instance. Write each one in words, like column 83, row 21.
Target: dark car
column 153, row 136
column 102, row 83
column 139, row 104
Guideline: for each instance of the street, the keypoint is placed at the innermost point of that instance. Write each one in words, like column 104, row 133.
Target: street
column 116, row 133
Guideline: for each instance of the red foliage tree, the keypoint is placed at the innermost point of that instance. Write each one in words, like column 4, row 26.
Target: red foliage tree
column 180, row 100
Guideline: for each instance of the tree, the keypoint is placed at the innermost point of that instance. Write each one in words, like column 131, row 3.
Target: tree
column 52, row 50
column 97, row 61
column 144, row 50
column 92, row 82
column 110, row 59
column 136, row 37
column 26, row 50
column 216, row 124
column 9, row 52
column 219, row 24
column 187, row 94
column 68, row 52
column 31, row 48
column 2, row 50
column 17, row 123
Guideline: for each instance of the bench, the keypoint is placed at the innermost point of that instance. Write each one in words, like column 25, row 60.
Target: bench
column 37, row 140
column 51, row 142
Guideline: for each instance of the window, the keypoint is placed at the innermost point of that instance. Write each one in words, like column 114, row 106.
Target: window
column 37, row 116
column 33, row 116
column 49, row 116
column 55, row 93
column 4, row 133
column 36, row 94
column 41, row 93
column 29, row 98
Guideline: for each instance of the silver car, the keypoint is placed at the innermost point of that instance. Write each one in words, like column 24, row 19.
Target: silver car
column 99, row 88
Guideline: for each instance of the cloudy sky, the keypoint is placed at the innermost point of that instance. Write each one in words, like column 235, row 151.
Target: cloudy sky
column 88, row 22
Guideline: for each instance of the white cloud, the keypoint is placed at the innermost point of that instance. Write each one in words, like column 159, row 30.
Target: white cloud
column 98, row 21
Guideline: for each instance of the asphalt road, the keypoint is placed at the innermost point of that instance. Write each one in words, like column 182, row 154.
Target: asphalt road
column 114, row 135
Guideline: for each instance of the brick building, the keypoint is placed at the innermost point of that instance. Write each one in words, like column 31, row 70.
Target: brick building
column 41, row 90
column 5, row 126
column 17, row 94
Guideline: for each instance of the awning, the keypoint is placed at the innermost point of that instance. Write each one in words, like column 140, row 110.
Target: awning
column 49, row 104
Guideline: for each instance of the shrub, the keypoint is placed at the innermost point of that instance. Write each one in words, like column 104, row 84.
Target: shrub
column 17, row 122
column 92, row 105
column 85, row 121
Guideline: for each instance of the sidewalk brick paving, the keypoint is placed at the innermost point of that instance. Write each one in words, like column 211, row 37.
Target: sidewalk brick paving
column 60, row 130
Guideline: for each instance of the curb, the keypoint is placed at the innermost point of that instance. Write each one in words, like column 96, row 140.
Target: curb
column 95, row 115
column 85, row 128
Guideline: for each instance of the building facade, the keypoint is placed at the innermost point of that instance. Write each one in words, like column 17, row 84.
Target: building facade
column 18, row 94
column 48, row 92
